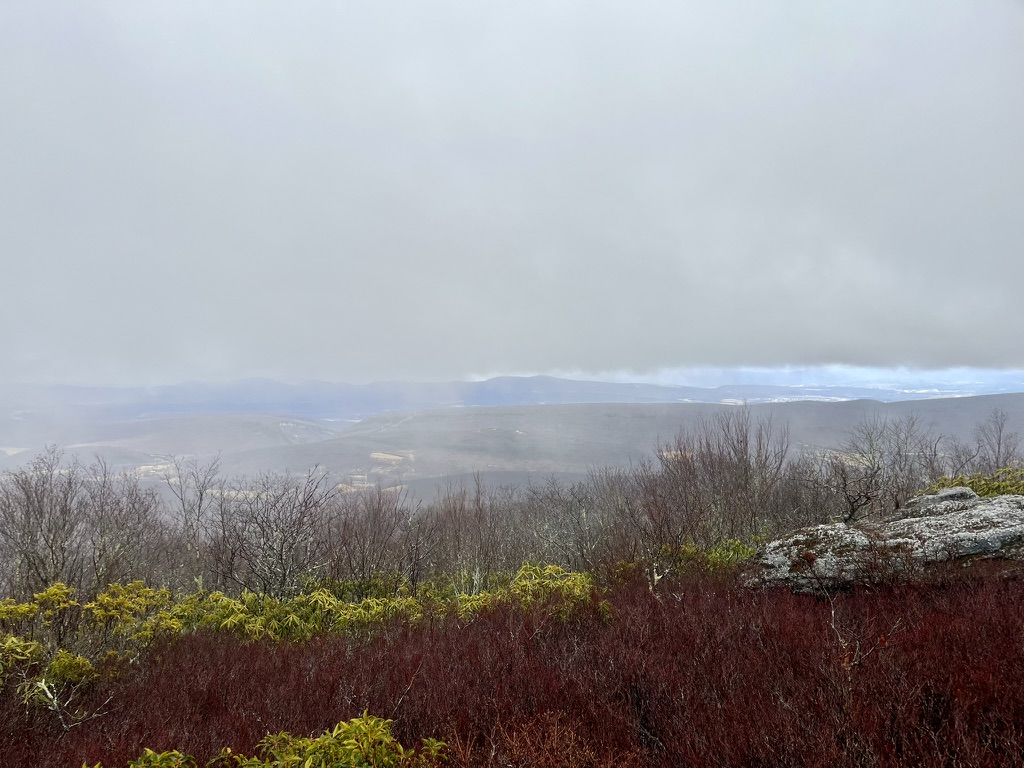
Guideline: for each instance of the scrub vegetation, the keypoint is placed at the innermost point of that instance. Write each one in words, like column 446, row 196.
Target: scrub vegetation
column 277, row 621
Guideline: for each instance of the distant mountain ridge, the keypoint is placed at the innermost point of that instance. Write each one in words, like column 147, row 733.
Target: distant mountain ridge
column 340, row 401
column 418, row 434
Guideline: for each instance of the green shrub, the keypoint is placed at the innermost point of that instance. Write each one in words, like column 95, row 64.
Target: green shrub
column 729, row 553
column 363, row 742
column 69, row 668
column 725, row 554
column 60, row 647
column 16, row 652
column 1002, row 482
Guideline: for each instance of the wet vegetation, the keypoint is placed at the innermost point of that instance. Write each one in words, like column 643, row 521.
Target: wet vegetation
column 279, row 621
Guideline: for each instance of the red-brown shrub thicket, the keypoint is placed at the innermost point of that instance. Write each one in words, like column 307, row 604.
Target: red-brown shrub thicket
column 684, row 668
column 697, row 672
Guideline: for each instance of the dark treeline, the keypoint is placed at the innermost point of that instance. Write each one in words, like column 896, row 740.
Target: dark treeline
column 731, row 478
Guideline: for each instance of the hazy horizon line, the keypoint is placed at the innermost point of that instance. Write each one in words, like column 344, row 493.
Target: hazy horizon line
column 694, row 376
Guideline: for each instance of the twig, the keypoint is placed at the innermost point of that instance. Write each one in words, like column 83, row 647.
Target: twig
column 407, row 689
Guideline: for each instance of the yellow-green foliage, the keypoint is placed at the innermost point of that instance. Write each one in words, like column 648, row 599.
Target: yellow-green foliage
column 728, row 553
column 121, row 609
column 300, row 617
column 363, row 742
column 67, row 667
column 1000, row 483
column 536, row 584
column 68, row 642
column 355, row 590
column 53, row 616
column 56, row 642
column 56, row 688
column 15, row 613
column 125, row 616
column 552, row 586
column 725, row 554
column 151, row 759
column 58, row 611
column 55, row 599
column 16, row 651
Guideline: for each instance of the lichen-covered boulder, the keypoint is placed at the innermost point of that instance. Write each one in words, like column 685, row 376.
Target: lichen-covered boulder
column 954, row 524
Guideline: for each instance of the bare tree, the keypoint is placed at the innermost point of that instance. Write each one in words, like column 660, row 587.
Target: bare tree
column 997, row 447
column 802, row 497
column 719, row 478
column 881, row 463
column 633, row 528
column 271, row 531
column 193, row 486
column 197, row 492
column 856, row 483
column 566, row 523
column 419, row 543
column 122, row 528
column 476, row 531
column 366, row 528
column 511, row 539
column 960, row 457
column 41, row 525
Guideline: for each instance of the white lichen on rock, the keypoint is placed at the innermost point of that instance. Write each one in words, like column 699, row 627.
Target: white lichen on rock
column 950, row 525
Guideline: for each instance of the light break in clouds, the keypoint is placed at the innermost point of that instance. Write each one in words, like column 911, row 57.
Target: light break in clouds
column 354, row 191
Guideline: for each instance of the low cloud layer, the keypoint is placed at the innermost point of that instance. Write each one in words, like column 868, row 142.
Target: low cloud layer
column 359, row 191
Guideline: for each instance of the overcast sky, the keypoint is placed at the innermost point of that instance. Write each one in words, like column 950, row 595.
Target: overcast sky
column 374, row 190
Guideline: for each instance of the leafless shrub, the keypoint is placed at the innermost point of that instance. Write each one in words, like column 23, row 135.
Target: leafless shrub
column 83, row 526
column 718, row 480
column 365, row 533
column 881, row 464
column 123, row 534
column 42, row 539
column 992, row 447
column 420, row 542
column 565, row 523
column 481, row 532
column 269, row 531
column 196, row 490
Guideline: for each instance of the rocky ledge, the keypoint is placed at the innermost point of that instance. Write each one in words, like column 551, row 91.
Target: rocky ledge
column 954, row 524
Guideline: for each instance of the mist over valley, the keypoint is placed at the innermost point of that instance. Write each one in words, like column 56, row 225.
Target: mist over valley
column 509, row 430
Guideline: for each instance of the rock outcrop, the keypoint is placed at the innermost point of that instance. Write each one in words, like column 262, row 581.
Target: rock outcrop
column 954, row 524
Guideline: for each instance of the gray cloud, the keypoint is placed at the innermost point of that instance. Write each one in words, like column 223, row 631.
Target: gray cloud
column 404, row 189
